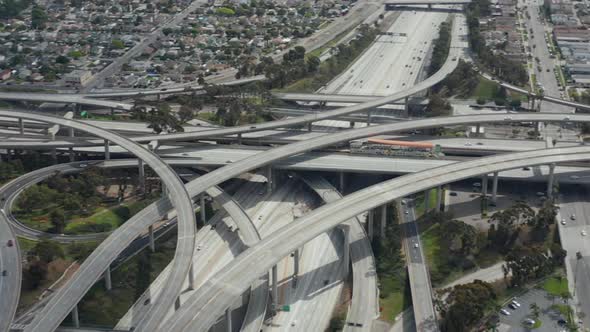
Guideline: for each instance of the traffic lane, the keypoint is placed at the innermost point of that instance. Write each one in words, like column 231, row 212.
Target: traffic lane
column 10, row 283
column 581, row 269
column 412, row 236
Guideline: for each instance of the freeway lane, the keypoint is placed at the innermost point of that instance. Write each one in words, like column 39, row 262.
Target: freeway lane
column 210, row 301
column 10, row 261
column 177, row 193
column 421, row 289
column 364, row 307
column 147, row 216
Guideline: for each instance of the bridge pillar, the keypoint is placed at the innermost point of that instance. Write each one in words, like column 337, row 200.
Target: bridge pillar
column 107, row 278
column 269, row 180
column 368, row 117
column 550, row 180
column 21, row 126
column 341, row 182
column 477, row 130
column 240, row 138
column 275, row 289
column 495, row 187
column 75, row 317
column 202, row 208
column 107, row 152
column 439, row 192
column 71, row 149
column 370, row 224
column 532, row 103
column 346, row 255
column 426, row 200
column 351, row 124
column 228, row 320
column 484, row 185
column 429, row 6
column 296, row 263
column 406, row 106
column 141, row 176
column 383, row 220
column 309, row 126
column 151, row 238
column 158, row 97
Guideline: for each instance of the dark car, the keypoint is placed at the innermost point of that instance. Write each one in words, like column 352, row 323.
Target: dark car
column 4, row 273
column 10, row 243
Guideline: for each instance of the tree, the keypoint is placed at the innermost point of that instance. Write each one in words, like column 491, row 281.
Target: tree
column 62, row 59
column 438, row 106
column 535, row 310
column 57, row 218
column 185, row 113
column 313, row 64
column 47, row 251
column 468, row 304
column 38, row 17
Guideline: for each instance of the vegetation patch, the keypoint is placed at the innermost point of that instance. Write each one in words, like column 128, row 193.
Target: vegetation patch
column 556, row 286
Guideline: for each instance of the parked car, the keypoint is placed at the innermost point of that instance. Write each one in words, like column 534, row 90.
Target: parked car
column 505, row 312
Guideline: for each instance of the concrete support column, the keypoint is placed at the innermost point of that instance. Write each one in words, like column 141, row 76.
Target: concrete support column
column 383, row 220
column 296, row 262
column 107, row 278
column 484, row 185
column 228, row 320
column 368, row 118
column 141, row 175
column 275, row 288
column 269, row 181
column 426, row 200
column 477, row 130
column 495, row 187
column 406, row 106
column 107, row 152
column 71, row 150
column 439, row 191
column 550, row 180
column 152, row 240
column 346, row 255
column 240, row 138
column 202, row 208
column 351, row 124
column 21, row 126
column 370, row 225
column 309, row 124
column 341, row 182
column 75, row 317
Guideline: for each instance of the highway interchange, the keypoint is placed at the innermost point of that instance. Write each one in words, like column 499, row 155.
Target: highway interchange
column 217, row 284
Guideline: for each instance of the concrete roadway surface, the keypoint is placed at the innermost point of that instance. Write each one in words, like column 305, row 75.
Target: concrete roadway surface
column 108, row 253
column 176, row 191
column 209, row 301
column 10, row 273
column 420, row 286
column 392, row 63
column 219, row 246
column 364, row 307
column 573, row 200
column 545, row 78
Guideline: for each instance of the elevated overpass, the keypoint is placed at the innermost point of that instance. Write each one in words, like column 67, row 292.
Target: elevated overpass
column 176, row 191
column 209, row 301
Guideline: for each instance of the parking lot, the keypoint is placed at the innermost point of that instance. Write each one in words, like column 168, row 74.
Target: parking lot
column 548, row 316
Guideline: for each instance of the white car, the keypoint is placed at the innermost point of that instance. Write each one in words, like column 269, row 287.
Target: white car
column 415, row 245
column 563, row 221
column 505, row 312
column 515, row 303
column 406, row 212
column 584, row 233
